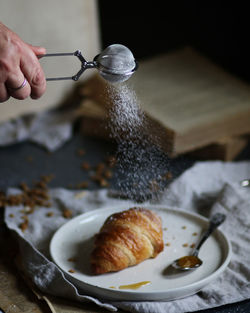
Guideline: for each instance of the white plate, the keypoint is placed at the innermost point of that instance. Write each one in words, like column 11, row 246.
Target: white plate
column 75, row 240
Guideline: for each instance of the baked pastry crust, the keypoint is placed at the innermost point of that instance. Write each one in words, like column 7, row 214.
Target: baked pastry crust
column 126, row 239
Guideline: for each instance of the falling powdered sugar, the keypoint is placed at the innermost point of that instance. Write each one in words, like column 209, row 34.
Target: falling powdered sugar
column 125, row 114
column 142, row 168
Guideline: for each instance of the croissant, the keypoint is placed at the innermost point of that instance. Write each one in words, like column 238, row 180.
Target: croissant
column 125, row 239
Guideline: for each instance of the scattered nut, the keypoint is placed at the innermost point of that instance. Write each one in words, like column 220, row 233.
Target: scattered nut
column 50, row 214
column 67, row 213
column 111, row 161
column 108, row 174
column 80, row 195
column 81, row 152
column 85, row 166
column 23, row 226
column 82, row 185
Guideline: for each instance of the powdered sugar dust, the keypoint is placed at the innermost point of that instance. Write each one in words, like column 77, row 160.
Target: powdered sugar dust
column 142, row 168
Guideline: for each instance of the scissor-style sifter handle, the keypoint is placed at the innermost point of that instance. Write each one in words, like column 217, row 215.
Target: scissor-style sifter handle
column 84, row 64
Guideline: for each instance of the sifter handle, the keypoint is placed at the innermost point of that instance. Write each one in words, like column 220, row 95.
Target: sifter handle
column 78, row 54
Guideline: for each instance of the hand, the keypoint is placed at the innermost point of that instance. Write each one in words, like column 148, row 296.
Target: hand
column 18, row 61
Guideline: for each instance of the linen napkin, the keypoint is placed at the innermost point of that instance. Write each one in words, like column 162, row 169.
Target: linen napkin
column 206, row 187
column 49, row 129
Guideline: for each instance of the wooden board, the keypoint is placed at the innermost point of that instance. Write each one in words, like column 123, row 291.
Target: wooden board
column 226, row 149
column 190, row 102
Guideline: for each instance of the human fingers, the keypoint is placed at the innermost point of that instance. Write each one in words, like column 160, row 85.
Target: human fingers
column 17, row 56
column 33, row 72
column 17, row 85
column 37, row 49
column 4, row 96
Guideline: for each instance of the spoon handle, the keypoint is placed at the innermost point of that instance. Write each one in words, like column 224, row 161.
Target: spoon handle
column 215, row 221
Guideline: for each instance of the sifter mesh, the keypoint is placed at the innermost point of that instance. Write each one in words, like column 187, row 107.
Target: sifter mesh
column 116, row 63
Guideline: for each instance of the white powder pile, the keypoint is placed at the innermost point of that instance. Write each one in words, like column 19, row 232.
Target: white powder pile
column 142, row 169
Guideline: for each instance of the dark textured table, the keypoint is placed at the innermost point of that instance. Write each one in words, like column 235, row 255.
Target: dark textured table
column 26, row 162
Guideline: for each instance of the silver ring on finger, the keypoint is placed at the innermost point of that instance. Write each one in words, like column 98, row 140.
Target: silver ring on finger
column 20, row 87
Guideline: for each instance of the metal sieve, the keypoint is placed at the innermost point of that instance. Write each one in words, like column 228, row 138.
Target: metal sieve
column 115, row 64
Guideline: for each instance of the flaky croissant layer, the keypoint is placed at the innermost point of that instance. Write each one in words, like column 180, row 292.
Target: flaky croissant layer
column 125, row 239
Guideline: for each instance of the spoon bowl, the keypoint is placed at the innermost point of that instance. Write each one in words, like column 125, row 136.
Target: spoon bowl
column 188, row 262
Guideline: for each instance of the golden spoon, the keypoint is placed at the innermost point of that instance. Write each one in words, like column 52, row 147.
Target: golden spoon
column 191, row 262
